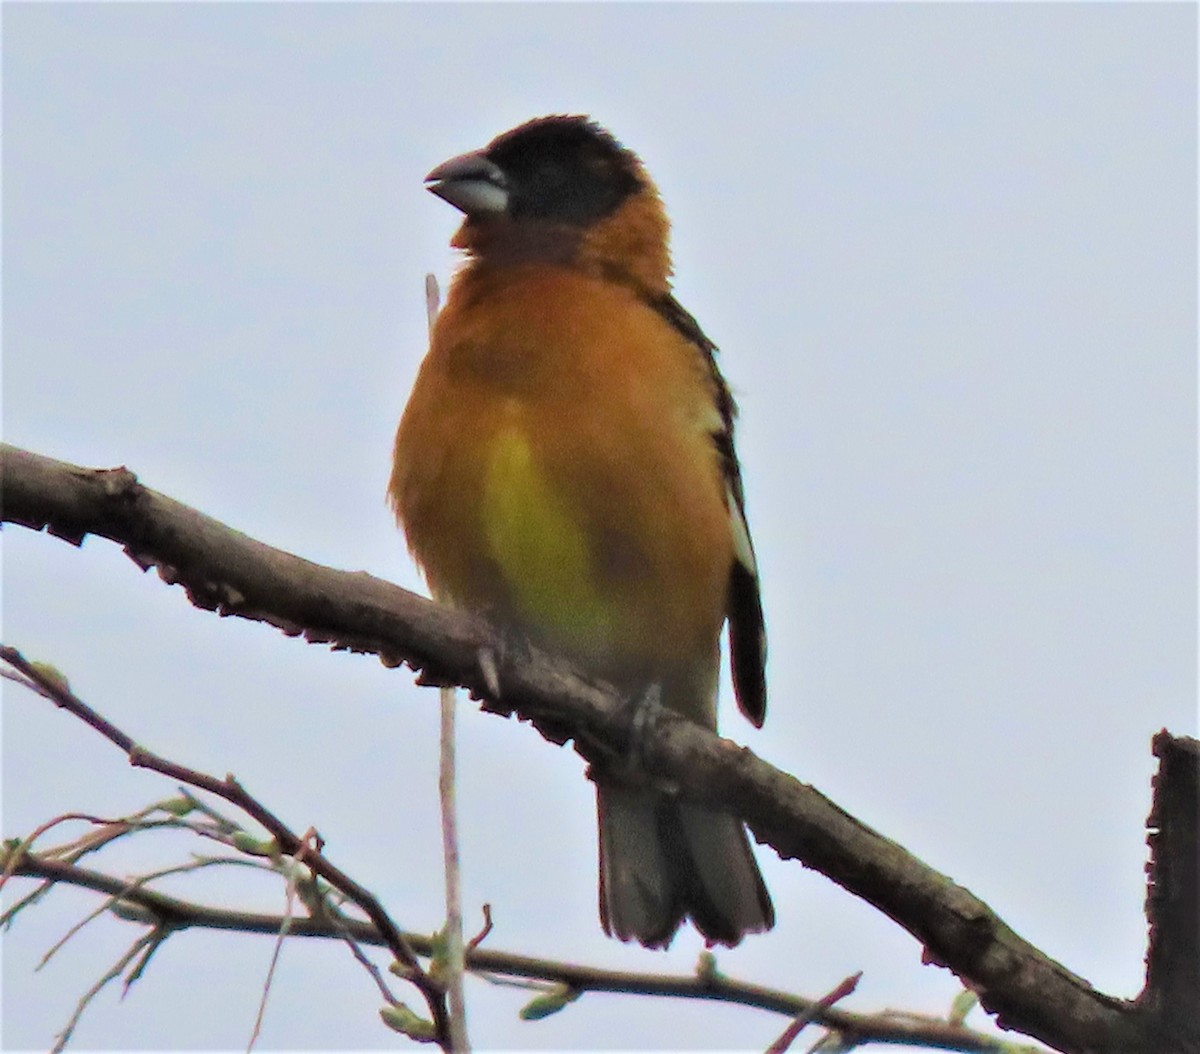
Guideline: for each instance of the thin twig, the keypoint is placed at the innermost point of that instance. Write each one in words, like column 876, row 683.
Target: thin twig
column 289, row 842
column 372, row 970
column 222, row 822
column 454, row 965
column 508, row 968
column 455, row 960
column 134, row 884
column 145, row 941
column 810, row 1013
column 71, row 851
column 289, row 914
column 41, row 829
column 159, row 935
column 478, row 939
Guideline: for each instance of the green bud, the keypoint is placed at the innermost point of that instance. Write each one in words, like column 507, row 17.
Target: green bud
column 52, row 674
column 405, row 973
column 963, row 1004
column 247, row 843
column 400, row 1019
column 548, row 1003
column 706, row 967
column 132, row 912
column 180, row 806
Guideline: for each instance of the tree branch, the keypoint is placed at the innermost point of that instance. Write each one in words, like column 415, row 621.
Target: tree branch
column 226, row 571
column 173, row 913
column 304, row 849
column 1172, row 992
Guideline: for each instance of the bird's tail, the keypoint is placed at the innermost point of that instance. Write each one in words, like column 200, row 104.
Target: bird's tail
column 663, row 860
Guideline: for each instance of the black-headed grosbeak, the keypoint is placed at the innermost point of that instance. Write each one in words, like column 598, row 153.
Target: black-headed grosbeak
column 565, row 466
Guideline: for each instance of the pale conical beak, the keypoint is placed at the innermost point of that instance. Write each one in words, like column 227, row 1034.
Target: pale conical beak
column 470, row 182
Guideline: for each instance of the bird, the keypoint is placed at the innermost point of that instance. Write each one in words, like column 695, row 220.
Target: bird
column 565, row 467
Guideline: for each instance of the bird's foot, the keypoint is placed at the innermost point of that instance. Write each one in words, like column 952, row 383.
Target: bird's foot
column 507, row 647
column 489, row 670
column 645, row 711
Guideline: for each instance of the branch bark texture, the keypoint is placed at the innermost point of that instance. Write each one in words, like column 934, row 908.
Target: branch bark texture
column 233, row 574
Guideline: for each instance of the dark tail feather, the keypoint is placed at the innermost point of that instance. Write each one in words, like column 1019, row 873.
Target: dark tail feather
column 662, row 861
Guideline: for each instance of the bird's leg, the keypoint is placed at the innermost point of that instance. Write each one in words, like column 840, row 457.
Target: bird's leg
column 645, row 711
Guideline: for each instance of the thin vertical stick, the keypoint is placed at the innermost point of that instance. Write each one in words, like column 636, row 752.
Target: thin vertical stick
column 455, row 956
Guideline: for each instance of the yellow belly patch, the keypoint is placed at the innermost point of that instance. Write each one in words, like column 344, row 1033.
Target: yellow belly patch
column 542, row 550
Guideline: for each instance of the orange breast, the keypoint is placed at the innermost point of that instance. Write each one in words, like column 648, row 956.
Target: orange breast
column 549, row 388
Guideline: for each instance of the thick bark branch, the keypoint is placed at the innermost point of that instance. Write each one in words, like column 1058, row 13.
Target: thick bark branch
column 1172, row 992
column 226, row 571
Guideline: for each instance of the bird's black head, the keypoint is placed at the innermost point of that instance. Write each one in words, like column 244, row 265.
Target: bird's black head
column 559, row 170
column 564, row 168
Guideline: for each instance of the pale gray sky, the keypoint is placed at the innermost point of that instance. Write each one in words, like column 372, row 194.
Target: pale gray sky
column 949, row 253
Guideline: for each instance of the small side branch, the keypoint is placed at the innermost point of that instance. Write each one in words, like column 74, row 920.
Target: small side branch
column 306, row 851
column 175, row 913
column 455, row 965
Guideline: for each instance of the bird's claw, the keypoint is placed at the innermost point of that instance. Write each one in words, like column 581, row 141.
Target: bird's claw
column 645, row 711
column 489, row 669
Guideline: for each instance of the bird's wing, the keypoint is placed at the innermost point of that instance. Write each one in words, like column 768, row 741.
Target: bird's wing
column 747, row 633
